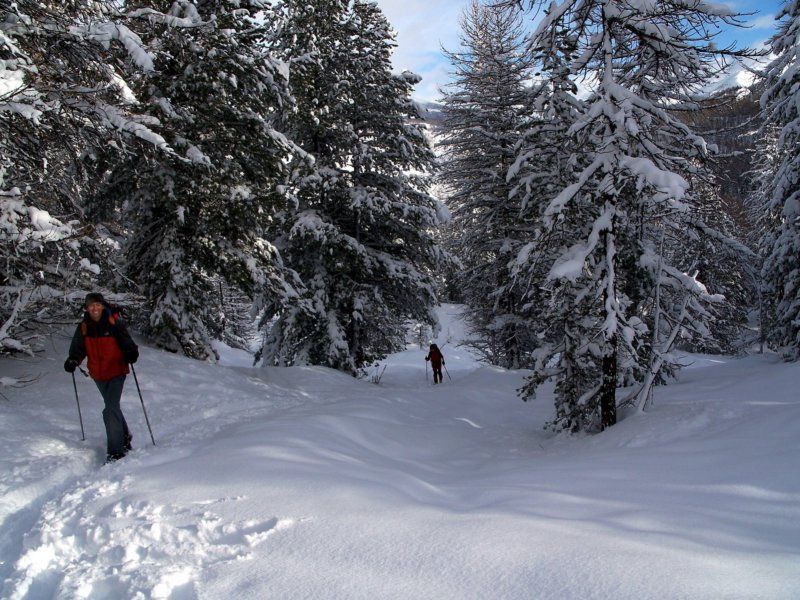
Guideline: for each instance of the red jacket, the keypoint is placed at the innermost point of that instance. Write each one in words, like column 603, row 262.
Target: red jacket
column 436, row 358
column 107, row 345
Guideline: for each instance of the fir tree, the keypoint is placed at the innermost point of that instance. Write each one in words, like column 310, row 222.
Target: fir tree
column 780, row 244
column 359, row 236
column 201, row 215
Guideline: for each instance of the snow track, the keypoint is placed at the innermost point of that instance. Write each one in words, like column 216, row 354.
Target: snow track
column 64, row 532
column 138, row 548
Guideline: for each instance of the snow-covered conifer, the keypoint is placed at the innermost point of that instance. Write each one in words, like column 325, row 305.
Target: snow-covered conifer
column 547, row 160
column 483, row 126
column 642, row 61
column 201, row 214
column 765, row 220
column 359, row 236
column 780, row 244
column 726, row 265
column 62, row 101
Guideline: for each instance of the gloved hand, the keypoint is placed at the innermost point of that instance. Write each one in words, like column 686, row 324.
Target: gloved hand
column 70, row 365
column 132, row 357
column 443, row 361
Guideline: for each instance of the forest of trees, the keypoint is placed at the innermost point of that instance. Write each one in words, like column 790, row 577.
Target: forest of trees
column 197, row 157
column 225, row 167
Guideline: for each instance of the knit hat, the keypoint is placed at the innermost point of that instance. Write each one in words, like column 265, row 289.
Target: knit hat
column 94, row 297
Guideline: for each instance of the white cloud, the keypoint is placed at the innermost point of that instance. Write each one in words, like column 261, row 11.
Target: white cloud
column 423, row 27
column 763, row 22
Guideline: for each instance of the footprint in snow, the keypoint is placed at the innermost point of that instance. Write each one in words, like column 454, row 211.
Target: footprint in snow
column 89, row 543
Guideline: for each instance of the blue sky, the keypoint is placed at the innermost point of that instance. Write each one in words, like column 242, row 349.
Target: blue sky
column 424, row 26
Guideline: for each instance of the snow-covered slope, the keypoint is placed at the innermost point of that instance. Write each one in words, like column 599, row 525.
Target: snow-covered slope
column 738, row 77
column 305, row 483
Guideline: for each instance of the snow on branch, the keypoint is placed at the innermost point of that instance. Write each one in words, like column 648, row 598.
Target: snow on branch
column 191, row 17
column 115, row 118
column 559, row 202
column 555, row 13
column 17, row 382
column 713, row 9
column 15, row 213
column 671, row 185
column 734, row 245
column 105, row 33
column 570, row 264
column 6, row 341
column 692, row 285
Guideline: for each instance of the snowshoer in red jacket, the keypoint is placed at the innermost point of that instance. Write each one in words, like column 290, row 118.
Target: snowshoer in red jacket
column 103, row 338
column 437, row 360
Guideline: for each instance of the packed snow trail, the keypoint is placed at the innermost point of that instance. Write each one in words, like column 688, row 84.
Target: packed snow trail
column 305, row 483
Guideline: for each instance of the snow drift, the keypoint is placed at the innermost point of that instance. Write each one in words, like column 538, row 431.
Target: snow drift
column 304, row 483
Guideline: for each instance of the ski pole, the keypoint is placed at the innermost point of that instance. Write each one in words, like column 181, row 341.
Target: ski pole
column 426, row 371
column 144, row 410
column 80, row 416
column 446, row 371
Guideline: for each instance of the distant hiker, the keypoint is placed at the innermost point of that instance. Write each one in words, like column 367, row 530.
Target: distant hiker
column 104, row 339
column 437, row 360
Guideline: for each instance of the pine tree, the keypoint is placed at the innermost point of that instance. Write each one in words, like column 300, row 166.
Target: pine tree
column 201, row 215
column 780, row 244
column 63, row 102
column 483, row 127
column 625, row 216
column 359, row 236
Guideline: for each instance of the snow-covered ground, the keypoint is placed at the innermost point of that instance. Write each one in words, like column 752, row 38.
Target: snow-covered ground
column 306, row 483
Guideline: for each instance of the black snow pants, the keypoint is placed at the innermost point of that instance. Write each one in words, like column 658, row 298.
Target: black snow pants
column 117, row 434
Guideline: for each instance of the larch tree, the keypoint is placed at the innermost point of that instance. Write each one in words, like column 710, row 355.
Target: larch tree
column 484, row 120
column 622, row 270
column 547, row 161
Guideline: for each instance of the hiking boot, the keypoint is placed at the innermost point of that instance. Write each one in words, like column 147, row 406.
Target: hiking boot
column 114, row 456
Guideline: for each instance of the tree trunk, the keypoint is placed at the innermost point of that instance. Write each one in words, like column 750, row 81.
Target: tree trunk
column 608, row 382
column 608, row 386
